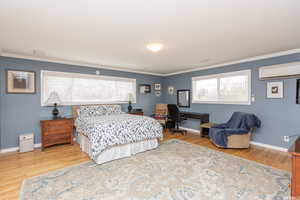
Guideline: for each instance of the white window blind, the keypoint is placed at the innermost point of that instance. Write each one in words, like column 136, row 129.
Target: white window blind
column 225, row 88
column 78, row 89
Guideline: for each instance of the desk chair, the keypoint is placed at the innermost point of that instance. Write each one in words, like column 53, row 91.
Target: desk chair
column 175, row 116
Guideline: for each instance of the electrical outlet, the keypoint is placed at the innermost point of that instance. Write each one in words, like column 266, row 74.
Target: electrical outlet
column 286, row 138
column 97, row 72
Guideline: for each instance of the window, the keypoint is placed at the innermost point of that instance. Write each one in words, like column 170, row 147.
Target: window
column 76, row 89
column 226, row 88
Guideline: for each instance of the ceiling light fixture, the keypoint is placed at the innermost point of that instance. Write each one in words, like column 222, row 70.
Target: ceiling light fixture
column 155, row 47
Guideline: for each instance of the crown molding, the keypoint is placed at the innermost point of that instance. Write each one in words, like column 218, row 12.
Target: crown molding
column 281, row 53
column 269, row 146
column 72, row 62
column 100, row 66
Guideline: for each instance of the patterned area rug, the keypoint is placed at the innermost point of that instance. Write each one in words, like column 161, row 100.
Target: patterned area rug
column 174, row 171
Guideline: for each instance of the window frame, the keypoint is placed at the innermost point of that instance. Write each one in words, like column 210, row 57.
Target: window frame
column 247, row 72
column 87, row 76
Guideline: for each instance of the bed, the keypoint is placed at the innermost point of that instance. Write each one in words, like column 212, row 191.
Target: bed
column 106, row 133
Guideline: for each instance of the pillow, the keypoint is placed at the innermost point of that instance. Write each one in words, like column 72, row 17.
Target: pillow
column 90, row 111
column 112, row 109
column 98, row 110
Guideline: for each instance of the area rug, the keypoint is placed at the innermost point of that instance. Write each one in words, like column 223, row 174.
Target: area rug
column 176, row 170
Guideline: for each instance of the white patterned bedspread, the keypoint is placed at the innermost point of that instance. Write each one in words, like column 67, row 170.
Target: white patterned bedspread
column 111, row 130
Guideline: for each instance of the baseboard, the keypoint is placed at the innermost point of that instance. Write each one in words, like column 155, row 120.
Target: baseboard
column 14, row 149
column 268, row 146
column 194, row 131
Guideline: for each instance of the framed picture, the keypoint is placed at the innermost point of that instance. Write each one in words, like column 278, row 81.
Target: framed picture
column 157, row 86
column 144, row 88
column 157, row 93
column 184, row 98
column 298, row 92
column 20, row 82
column 275, row 89
column 171, row 90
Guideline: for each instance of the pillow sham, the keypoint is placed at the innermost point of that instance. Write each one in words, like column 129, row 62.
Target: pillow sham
column 89, row 111
column 98, row 110
column 113, row 109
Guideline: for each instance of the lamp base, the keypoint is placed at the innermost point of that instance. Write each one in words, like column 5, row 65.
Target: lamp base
column 55, row 112
column 129, row 107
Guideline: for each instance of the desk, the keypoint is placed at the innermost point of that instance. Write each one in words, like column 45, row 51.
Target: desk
column 203, row 117
column 295, row 183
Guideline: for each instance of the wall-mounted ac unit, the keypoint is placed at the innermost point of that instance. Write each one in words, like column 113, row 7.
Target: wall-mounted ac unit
column 288, row 70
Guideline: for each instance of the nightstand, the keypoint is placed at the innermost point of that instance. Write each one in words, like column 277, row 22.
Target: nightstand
column 136, row 112
column 58, row 131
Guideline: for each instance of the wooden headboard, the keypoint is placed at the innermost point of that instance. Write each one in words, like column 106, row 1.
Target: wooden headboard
column 74, row 111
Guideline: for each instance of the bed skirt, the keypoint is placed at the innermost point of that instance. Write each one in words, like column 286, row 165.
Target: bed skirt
column 116, row 152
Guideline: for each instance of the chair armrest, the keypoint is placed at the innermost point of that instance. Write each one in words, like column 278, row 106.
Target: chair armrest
column 224, row 125
column 182, row 117
column 235, row 131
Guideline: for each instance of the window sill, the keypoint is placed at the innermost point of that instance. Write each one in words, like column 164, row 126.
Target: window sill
column 222, row 103
column 89, row 103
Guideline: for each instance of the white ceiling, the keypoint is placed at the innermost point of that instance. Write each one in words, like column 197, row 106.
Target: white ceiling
column 195, row 33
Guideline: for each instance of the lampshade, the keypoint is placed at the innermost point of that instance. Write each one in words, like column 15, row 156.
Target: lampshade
column 130, row 97
column 53, row 98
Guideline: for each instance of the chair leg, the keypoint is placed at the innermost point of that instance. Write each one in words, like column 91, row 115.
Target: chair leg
column 176, row 129
column 182, row 131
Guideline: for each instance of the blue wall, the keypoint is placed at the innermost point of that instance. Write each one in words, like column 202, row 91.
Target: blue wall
column 20, row 113
column 279, row 116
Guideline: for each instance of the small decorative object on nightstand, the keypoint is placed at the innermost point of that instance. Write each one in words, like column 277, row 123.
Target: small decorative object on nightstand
column 58, row 131
column 54, row 99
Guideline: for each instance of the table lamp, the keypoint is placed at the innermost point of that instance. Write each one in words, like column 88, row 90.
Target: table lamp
column 54, row 100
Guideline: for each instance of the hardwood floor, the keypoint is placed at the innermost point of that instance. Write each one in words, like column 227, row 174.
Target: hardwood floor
column 15, row 167
column 276, row 159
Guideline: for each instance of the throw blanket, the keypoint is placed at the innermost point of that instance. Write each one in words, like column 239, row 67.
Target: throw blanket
column 239, row 123
column 116, row 129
